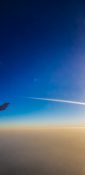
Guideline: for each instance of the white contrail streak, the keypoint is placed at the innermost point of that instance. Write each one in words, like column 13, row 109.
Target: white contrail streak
column 58, row 100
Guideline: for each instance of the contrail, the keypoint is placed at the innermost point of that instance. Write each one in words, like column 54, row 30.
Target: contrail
column 58, row 100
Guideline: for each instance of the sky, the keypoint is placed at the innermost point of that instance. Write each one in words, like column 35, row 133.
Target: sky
column 42, row 54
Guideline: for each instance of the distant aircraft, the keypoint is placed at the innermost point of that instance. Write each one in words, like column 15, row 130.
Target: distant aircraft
column 4, row 106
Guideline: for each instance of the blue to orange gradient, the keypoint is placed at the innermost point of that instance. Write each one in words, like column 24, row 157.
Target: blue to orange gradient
column 42, row 54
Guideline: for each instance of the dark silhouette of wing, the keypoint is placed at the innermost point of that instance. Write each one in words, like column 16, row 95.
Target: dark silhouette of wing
column 4, row 106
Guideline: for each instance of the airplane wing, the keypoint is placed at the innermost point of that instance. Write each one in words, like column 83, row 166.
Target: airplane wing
column 4, row 106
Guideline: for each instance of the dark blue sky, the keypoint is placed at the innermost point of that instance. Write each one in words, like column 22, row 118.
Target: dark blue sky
column 42, row 54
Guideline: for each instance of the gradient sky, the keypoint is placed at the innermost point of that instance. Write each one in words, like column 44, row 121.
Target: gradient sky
column 42, row 54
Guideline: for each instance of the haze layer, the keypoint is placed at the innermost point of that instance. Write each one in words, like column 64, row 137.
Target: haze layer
column 58, row 151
